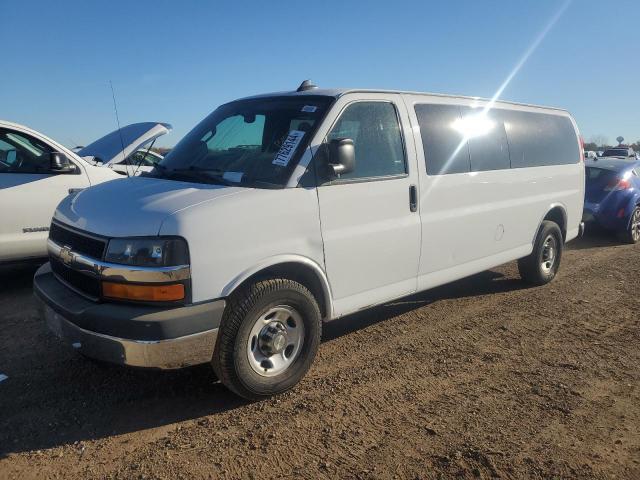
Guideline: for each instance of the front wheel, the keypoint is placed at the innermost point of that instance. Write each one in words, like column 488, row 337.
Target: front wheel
column 632, row 234
column 542, row 265
column 268, row 338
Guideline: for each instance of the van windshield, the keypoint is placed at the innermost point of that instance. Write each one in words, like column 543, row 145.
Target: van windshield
column 253, row 143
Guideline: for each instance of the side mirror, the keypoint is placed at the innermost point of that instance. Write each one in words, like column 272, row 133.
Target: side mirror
column 342, row 156
column 59, row 163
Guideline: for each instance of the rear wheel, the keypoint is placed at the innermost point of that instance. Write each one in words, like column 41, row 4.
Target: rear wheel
column 632, row 234
column 268, row 338
column 542, row 265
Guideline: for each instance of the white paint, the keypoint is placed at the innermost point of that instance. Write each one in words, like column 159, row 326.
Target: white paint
column 361, row 239
column 33, row 197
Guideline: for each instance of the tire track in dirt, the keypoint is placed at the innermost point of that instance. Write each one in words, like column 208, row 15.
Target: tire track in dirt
column 477, row 379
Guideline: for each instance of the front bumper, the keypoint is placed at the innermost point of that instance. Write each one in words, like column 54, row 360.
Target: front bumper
column 141, row 336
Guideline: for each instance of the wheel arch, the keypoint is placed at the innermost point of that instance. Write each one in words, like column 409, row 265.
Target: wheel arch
column 293, row 267
column 634, row 203
column 557, row 213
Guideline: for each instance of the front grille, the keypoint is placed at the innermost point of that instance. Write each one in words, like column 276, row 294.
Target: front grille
column 84, row 283
column 79, row 243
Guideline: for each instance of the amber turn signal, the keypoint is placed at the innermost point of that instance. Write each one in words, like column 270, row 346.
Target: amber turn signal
column 152, row 293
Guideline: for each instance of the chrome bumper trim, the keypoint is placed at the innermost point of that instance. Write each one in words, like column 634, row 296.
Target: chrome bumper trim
column 174, row 353
column 114, row 271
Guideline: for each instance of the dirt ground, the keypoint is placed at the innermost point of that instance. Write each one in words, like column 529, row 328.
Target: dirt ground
column 481, row 378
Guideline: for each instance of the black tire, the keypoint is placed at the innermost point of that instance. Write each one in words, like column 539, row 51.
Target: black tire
column 534, row 269
column 230, row 359
column 632, row 233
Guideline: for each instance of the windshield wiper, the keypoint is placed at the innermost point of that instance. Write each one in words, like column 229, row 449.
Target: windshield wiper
column 203, row 175
column 211, row 176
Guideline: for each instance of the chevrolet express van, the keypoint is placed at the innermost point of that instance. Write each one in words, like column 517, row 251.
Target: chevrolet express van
column 283, row 211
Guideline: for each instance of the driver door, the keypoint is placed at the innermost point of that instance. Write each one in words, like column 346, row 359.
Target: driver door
column 369, row 218
column 29, row 194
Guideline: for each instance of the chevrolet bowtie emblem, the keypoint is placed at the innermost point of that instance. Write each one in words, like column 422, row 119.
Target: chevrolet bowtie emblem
column 66, row 256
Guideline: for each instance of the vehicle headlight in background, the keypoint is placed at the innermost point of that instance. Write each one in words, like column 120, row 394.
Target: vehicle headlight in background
column 148, row 252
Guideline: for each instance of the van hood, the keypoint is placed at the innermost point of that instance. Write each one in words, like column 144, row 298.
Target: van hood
column 135, row 206
column 119, row 144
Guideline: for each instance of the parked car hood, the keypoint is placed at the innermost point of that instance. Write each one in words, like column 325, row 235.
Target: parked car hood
column 119, row 144
column 134, row 206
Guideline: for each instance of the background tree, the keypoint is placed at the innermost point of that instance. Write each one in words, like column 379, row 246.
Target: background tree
column 599, row 139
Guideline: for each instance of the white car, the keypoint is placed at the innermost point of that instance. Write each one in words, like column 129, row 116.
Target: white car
column 281, row 211
column 37, row 172
column 127, row 150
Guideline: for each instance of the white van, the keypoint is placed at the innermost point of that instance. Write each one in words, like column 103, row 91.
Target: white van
column 36, row 173
column 281, row 211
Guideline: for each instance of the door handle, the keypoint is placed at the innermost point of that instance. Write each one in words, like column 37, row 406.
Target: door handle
column 413, row 198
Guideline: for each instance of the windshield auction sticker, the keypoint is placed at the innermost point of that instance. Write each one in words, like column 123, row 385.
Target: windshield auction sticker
column 288, row 148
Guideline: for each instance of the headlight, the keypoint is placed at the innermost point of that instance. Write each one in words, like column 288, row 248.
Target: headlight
column 148, row 252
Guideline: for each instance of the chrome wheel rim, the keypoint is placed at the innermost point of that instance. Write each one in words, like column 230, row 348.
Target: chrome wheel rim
column 549, row 253
column 275, row 341
column 635, row 225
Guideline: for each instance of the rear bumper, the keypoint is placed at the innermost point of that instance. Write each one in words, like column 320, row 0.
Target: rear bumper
column 612, row 214
column 140, row 336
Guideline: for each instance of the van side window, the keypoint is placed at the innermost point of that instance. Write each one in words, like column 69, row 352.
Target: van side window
column 488, row 146
column 375, row 131
column 445, row 148
column 538, row 139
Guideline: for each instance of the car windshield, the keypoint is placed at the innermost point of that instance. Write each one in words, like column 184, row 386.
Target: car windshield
column 252, row 143
column 616, row 152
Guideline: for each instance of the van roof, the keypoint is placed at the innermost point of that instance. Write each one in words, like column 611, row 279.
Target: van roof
column 338, row 92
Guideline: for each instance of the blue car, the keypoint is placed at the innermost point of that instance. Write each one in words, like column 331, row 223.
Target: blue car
column 612, row 196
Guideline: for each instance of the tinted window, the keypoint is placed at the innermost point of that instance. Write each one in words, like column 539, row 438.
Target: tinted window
column 537, row 139
column 374, row 129
column 445, row 149
column 616, row 152
column 597, row 176
column 20, row 153
column 488, row 147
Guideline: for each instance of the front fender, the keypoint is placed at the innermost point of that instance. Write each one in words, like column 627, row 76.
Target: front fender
column 276, row 260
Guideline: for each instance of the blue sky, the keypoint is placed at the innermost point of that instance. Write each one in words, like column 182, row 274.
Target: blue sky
column 177, row 61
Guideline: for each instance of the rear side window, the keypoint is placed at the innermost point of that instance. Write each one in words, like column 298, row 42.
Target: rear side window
column 459, row 139
column 600, row 177
column 445, row 148
column 488, row 146
column 539, row 139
